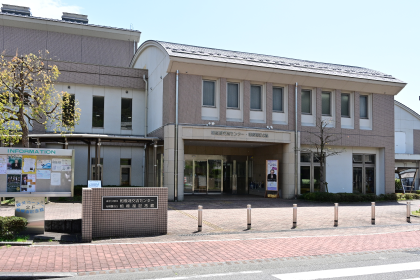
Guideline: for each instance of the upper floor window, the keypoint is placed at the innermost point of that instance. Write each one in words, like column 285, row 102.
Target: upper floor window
column 126, row 113
column 345, row 105
column 364, row 106
column 68, row 109
column 209, row 95
column 233, row 96
column 98, row 111
column 278, row 99
column 306, row 101
column 326, row 103
column 256, row 95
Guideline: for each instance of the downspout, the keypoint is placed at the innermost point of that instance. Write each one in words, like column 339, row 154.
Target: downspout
column 296, row 142
column 144, row 165
column 147, row 106
column 176, row 142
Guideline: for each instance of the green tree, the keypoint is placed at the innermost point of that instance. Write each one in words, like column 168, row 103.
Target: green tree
column 28, row 96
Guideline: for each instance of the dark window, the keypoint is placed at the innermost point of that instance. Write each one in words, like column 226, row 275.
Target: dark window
column 68, row 109
column 306, row 102
column 125, row 161
column 305, row 157
column 256, row 98
column 364, row 107
column 326, row 103
column 98, row 111
column 126, row 113
column 208, row 93
column 345, row 105
column 233, row 95
column 278, row 99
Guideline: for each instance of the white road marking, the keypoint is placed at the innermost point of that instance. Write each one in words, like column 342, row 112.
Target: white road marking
column 346, row 272
column 207, row 275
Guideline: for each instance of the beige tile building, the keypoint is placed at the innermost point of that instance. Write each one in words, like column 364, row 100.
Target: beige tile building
column 236, row 110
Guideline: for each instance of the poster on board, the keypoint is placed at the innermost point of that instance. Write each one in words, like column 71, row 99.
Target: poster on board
column 13, row 182
column 43, row 164
column 28, row 164
column 272, row 172
column 43, row 174
column 28, row 183
column 14, row 165
column 3, row 164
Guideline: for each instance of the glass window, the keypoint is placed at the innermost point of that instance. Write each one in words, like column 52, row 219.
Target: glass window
column 98, row 111
column 357, row 158
column 370, row 179
column 317, row 178
column 326, row 103
column 345, row 105
column 232, row 95
column 370, row 159
column 357, row 179
column 364, row 107
column 306, row 101
column 305, row 157
column 305, row 179
column 125, row 161
column 316, row 157
column 68, row 110
column 126, row 113
column 256, row 98
column 278, row 99
column 209, row 93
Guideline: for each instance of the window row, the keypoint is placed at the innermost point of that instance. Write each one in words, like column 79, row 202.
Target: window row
column 327, row 104
column 233, row 96
column 98, row 104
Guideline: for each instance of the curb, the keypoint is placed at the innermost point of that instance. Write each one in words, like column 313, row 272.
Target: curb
column 35, row 275
column 16, row 243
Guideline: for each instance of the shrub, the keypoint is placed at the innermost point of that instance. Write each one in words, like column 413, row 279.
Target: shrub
column 12, row 225
column 398, row 185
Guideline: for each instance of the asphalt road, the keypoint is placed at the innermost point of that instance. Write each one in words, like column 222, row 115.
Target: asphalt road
column 404, row 264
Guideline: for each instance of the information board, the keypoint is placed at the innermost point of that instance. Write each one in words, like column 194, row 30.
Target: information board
column 27, row 172
column 129, row 202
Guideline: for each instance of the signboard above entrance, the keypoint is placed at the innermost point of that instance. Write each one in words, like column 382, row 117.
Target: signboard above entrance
column 26, row 172
column 237, row 133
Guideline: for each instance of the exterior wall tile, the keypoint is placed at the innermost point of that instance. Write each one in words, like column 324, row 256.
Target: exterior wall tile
column 416, row 141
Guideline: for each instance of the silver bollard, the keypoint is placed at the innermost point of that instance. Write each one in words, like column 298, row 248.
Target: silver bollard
column 373, row 212
column 408, row 211
column 248, row 210
column 336, row 214
column 294, row 215
column 200, row 218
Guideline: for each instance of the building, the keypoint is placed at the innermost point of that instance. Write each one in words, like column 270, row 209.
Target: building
column 94, row 64
column 236, row 110
column 407, row 144
column 206, row 120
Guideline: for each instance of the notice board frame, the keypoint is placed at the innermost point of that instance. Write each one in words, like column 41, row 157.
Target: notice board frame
column 45, row 154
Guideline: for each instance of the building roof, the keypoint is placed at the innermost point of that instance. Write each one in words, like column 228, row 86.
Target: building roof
column 404, row 107
column 277, row 62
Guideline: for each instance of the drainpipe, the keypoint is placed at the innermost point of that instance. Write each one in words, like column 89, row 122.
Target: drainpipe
column 144, row 165
column 296, row 142
column 147, row 106
column 176, row 142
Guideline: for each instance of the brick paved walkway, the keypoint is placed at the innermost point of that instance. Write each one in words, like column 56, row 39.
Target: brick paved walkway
column 82, row 258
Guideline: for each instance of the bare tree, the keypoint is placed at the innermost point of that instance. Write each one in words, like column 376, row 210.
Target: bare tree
column 321, row 140
column 27, row 95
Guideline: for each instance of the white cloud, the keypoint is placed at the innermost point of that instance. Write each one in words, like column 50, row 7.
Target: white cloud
column 46, row 8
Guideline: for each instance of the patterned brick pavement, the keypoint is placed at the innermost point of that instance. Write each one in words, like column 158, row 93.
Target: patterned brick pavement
column 85, row 258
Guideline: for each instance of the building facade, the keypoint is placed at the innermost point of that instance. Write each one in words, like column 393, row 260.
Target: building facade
column 236, row 110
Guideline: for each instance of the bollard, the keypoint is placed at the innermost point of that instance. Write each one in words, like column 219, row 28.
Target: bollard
column 408, row 211
column 248, row 209
column 373, row 212
column 294, row 215
column 336, row 214
column 200, row 217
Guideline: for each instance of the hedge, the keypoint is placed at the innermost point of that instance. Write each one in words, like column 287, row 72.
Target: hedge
column 10, row 226
column 353, row 197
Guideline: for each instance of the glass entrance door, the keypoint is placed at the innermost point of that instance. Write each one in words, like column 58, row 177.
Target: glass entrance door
column 200, row 176
column 188, row 176
column 215, row 176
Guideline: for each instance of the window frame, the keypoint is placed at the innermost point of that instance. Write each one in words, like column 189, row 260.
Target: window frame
column 310, row 101
column 261, row 97
column 364, row 164
column 131, row 115
column 103, row 113
column 238, row 96
column 348, row 105
column 330, row 104
column 282, row 99
column 214, row 93
column 312, row 164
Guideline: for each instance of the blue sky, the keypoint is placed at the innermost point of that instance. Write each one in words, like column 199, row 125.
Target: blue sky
column 381, row 35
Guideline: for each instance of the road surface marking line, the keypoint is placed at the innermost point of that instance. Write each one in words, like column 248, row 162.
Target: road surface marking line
column 207, row 275
column 347, row 272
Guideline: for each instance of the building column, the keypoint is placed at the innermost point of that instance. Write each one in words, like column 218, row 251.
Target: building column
column 169, row 162
column 288, row 169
